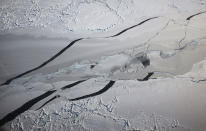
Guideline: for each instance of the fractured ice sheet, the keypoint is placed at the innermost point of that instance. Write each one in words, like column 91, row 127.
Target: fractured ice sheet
column 142, row 99
column 168, row 52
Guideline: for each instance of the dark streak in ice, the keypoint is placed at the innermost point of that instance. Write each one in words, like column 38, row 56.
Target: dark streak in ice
column 132, row 27
column 109, row 85
column 53, row 98
column 44, row 63
column 68, row 46
column 73, row 84
column 92, row 66
column 144, row 60
column 63, row 88
column 147, row 77
column 190, row 17
column 24, row 107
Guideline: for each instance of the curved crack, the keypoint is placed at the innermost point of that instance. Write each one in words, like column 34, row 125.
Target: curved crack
column 53, row 98
column 32, row 102
column 63, row 88
column 190, row 17
column 24, row 107
column 109, row 85
column 132, row 27
column 184, row 37
column 73, row 84
column 44, row 63
column 67, row 47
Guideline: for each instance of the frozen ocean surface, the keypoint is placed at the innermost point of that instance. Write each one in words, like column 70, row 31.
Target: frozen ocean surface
column 103, row 65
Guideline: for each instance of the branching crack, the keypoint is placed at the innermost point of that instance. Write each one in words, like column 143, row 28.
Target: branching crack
column 184, row 37
column 186, row 28
column 53, row 98
column 67, row 47
column 155, row 35
column 32, row 102
column 24, row 107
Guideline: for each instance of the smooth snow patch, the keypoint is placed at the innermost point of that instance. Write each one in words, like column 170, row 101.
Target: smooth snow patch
column 198, row 71
column 112, row 63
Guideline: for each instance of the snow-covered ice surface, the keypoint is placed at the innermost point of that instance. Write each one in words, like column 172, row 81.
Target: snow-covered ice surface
column 139, row 65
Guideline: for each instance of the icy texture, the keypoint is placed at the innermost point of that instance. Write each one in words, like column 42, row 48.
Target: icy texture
column 84, row 15
column 150, row 77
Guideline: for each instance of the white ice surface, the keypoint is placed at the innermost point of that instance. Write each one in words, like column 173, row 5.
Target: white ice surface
column 172, row 99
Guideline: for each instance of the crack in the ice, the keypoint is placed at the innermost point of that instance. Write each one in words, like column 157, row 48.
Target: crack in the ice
column 73, row 84
column 186, row 28
column 24, row 107
column 185, row 46
column 53, row 98
column 146, row 78
column 190, row 17
column 198, row 81
column 63, row 88
column 132, row 27
column 32, row 102
column 92, row 66
column 68, row 46
column 184, row 37
column 44, row 63
column 165, row 55
column 155, row 35
column 109, row 85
